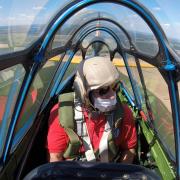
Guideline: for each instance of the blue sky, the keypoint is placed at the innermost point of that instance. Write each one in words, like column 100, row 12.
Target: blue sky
column 26, row 12
column 167, row 13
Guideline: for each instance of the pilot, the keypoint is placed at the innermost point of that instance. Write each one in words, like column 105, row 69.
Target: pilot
column 91, row 123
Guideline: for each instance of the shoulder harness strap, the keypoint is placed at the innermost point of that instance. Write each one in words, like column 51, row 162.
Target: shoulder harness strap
column 66, row 119
column 82, row 130
column 118, row 117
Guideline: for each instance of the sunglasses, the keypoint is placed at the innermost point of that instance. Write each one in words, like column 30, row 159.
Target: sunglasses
column 105, row 90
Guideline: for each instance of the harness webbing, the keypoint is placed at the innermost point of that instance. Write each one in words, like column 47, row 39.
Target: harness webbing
column 78, row 116
column 66, row 114
column 72, row 120
column 74, row 143
column 82, row 130
column 89, row 152
column 103, row 145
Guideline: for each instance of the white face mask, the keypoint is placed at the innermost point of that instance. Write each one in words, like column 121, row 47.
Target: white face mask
column 104, row 105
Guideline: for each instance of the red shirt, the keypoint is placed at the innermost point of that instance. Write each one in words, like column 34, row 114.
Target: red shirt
column 57, row 139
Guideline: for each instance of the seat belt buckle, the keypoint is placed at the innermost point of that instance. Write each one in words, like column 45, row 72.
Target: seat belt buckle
column 90, row 155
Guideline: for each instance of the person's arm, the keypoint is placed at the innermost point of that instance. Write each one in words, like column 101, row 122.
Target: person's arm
column 127, row 156
column 53, row 157
column 128, row 137
column 56, row 137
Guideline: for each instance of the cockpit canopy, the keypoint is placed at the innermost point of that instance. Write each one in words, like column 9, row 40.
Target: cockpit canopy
column 42, row 42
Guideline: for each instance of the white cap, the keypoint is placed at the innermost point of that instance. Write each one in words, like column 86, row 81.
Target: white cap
column 94, row 73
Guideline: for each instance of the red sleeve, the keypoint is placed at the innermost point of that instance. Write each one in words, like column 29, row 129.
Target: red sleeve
column 128, row 136
column 57, row 138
